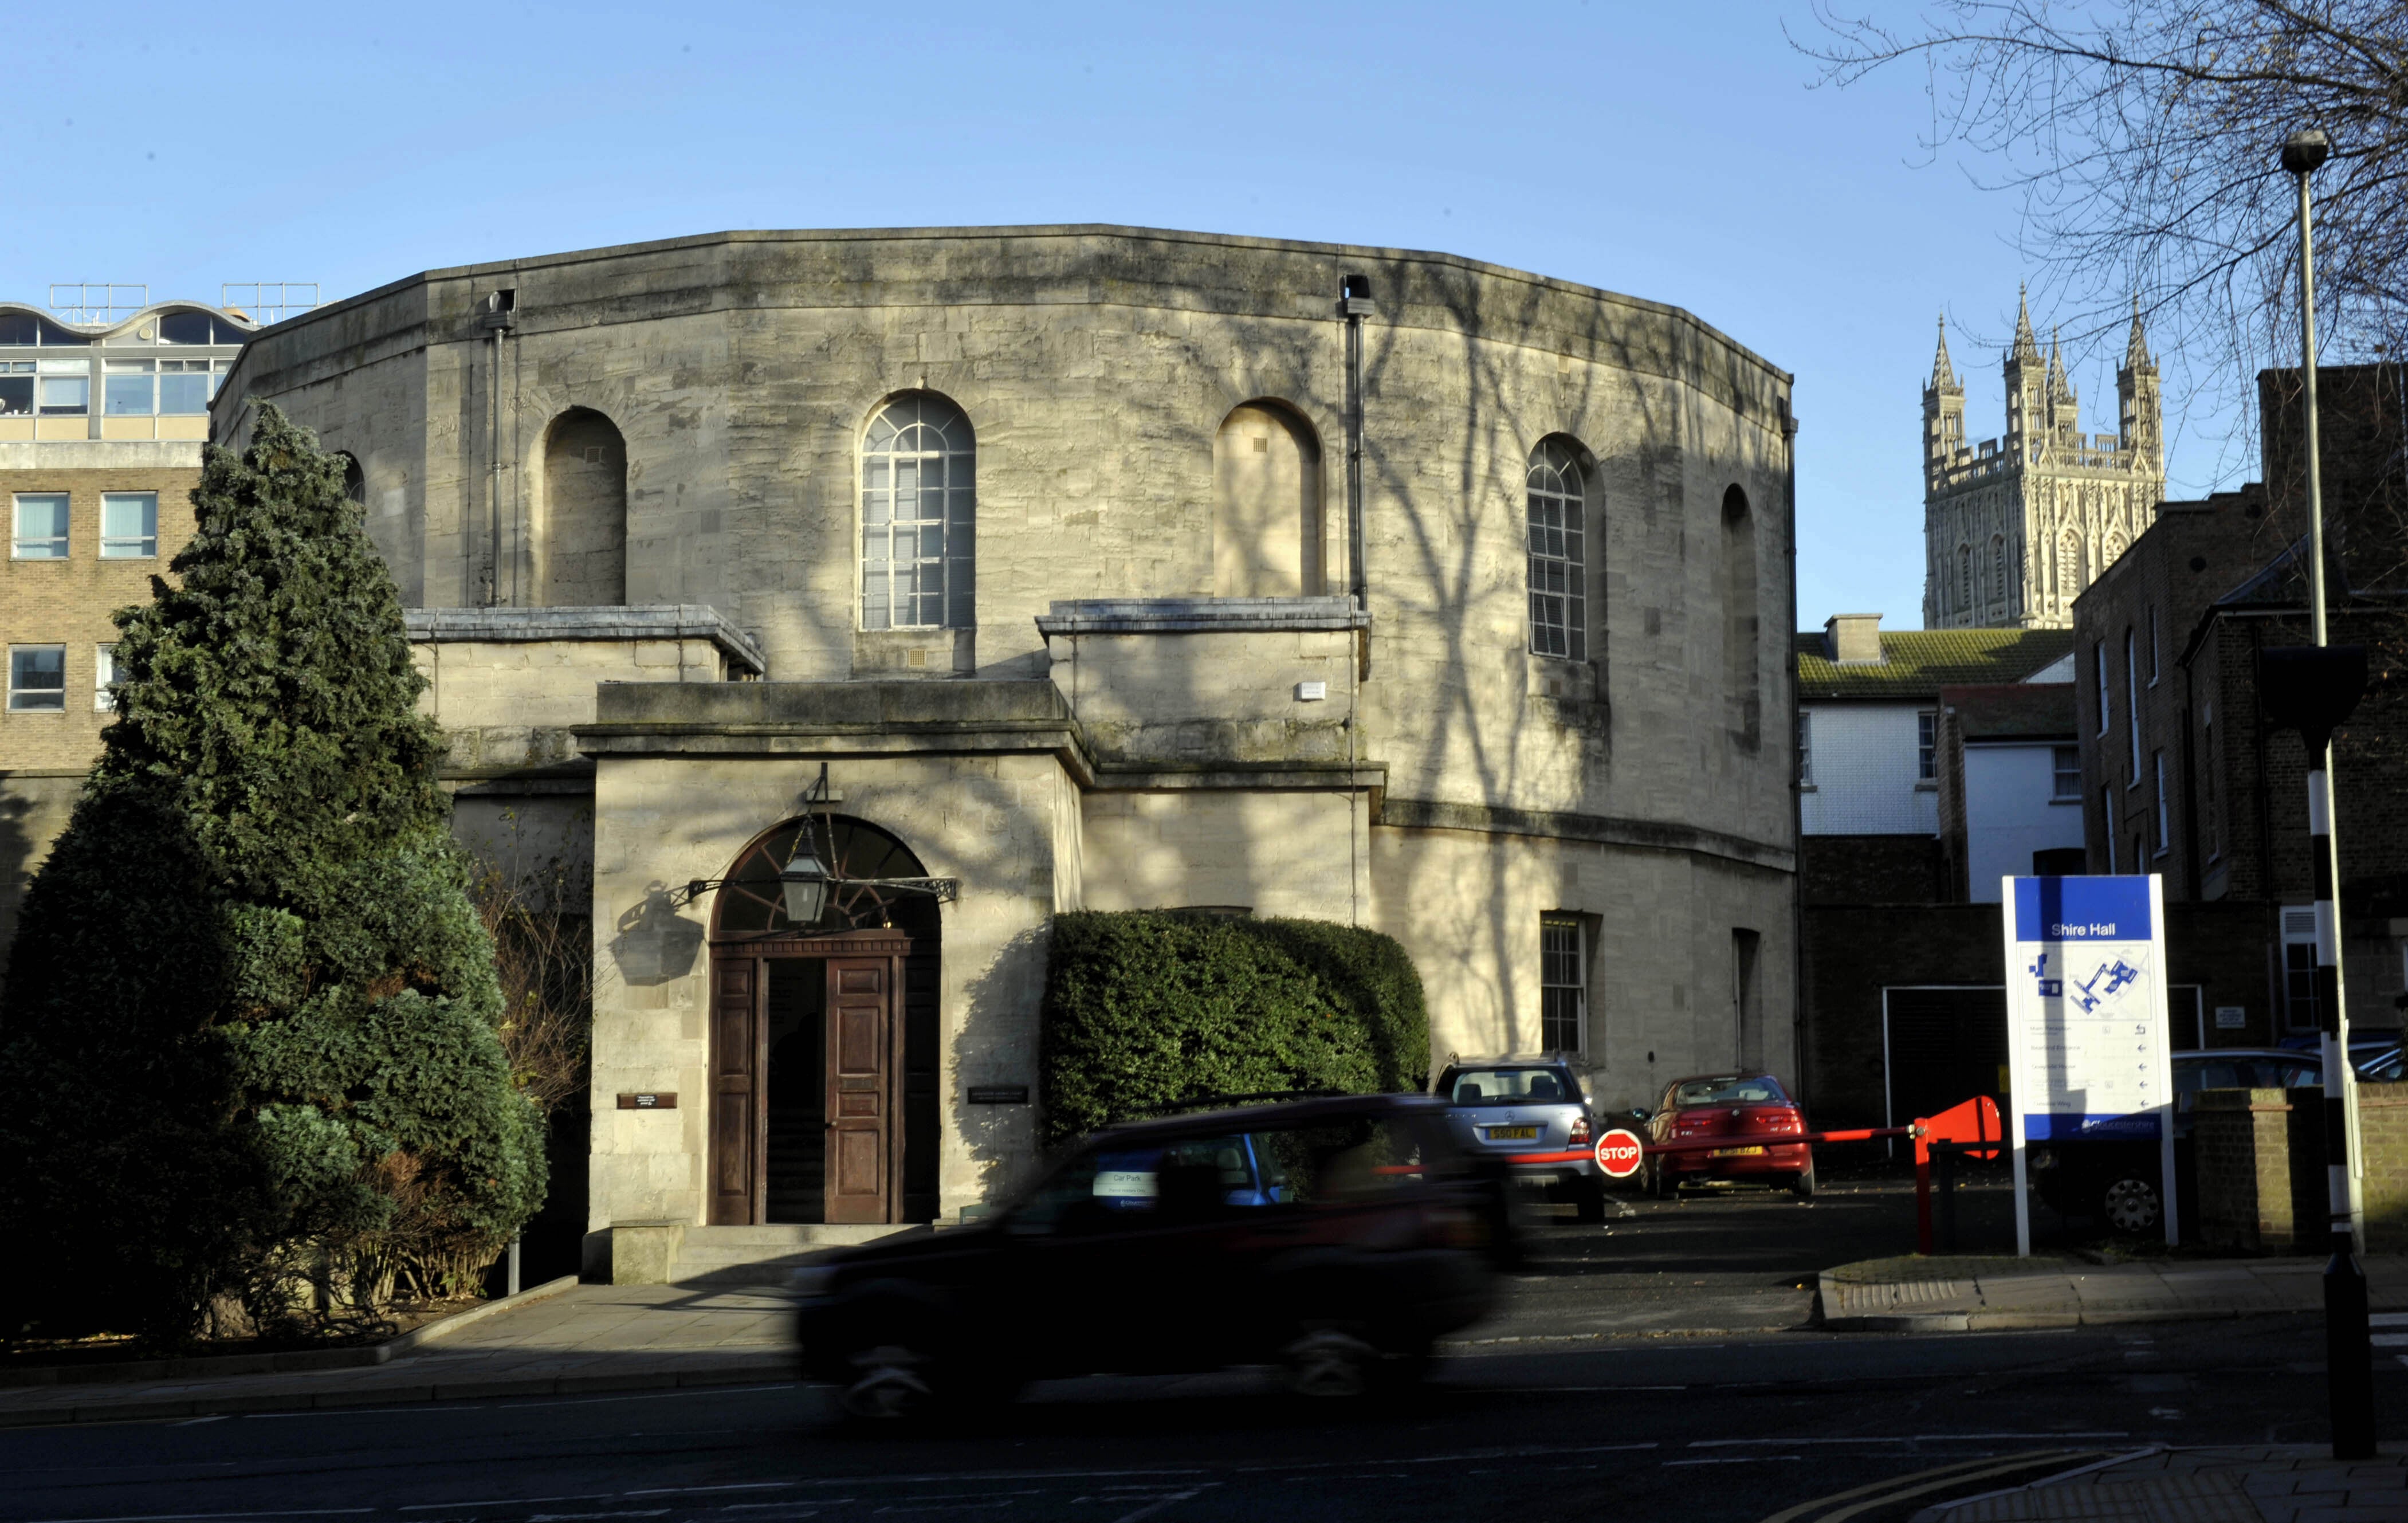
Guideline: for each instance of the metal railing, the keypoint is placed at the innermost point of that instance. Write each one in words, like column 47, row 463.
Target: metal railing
column 269, row 301
column 97, row 301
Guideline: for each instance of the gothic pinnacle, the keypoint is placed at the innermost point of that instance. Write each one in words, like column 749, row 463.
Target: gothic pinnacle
column 2136, row 348
column 2027, row 347
column 1943, row 374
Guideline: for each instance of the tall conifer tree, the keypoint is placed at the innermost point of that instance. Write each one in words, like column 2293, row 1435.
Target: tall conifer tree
column 249, row 1024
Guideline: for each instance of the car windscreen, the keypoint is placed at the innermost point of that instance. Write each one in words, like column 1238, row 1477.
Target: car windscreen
column 1511, row 1086
column 1729, row 1089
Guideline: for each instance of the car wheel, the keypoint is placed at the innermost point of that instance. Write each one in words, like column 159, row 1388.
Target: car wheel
column 1588, row 1199
column 2131, row 1205
column 892, row 1384
column 1803, row 1186
column 1331, row 1365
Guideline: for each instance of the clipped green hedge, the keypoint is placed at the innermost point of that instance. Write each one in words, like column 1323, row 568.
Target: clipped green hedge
column 1143, row 1008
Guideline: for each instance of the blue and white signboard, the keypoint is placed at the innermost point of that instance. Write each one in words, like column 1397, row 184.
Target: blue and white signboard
column 2087, row 1045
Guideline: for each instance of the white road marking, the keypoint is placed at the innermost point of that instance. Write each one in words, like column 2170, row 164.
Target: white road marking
column 683, row 1490
column 1743, row 1460
column 503, row 1502
column 1159, row 1504
column 195, row 1422
column 188, row 1518
column 582, row 1517
column 2389, row 1319
column 2389, row 1340
column 1909, row 1438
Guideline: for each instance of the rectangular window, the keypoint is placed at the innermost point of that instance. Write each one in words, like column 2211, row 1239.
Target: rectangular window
column 1806, row 746
column 104, row 674
column 1558, row 576
column 128, row 387
column 129, row 525
column 41, row 527
column 2107, row 823
column 2153, row 645
column 2067, row 761
column 2166, row 835
column 1927, row 746
column 2106, row 710
column 2132, row 706
column 184, row 387
column 2299, row 1004
column 16, row 388
column 38, row 679
column 1563, row 984
column 65, row 388
column 2207, row 787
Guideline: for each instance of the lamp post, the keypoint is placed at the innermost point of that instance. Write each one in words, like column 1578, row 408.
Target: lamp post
column 2349, row 1359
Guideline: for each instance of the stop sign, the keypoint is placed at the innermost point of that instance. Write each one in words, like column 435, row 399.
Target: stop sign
column 1617, row 1153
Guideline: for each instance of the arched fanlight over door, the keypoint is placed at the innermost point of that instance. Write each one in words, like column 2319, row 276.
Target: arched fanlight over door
column 751, row 900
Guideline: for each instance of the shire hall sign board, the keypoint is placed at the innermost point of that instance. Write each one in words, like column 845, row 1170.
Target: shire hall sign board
column 2088, row 1050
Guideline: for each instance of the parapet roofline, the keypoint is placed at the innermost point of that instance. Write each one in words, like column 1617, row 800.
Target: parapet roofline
column 1052, row 230
column 98, row 331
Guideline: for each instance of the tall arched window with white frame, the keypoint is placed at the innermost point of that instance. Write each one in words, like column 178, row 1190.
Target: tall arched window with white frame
column 1558, row 543
column 919, row 516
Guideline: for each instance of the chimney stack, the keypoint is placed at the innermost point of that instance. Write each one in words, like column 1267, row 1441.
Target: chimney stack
column 1853, row 640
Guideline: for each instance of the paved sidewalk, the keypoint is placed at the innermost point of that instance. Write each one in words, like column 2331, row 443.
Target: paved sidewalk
column 590, row 1338
column 2258, row 1483
column 1973, row 1295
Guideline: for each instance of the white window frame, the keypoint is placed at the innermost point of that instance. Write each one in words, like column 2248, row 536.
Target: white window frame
column 112, row 371
column 130, row 547
column 104, row 672
column 12, row 369
column 1927, row 745
column 21, row 700
column 1574, row 991
column 19, row 541
column 1806, row 748
column 882, row 531
column 2107, row 822
column 2132, row 704
column 2154, row 667
column 1557, row 539
column 210, row 372
column 48, row 371
column 2060, row 776
column 2106, row 698
column 2207, row 780
column 2166, row 835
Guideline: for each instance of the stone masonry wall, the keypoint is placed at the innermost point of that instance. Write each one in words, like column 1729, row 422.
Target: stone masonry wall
column 2261, row 1170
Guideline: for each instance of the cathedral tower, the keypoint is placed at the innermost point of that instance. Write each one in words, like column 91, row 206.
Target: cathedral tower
column 2015, row 529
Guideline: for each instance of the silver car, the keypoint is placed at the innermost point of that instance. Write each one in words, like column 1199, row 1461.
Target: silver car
column 1518, row 1106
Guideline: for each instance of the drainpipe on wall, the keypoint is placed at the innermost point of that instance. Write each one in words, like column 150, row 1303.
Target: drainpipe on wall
column 1354, row 300
column 1798, row 964
column 496, row 318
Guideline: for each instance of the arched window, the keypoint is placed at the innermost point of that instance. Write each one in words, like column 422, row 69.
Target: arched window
column 1742, row 624
column 1964, row 580
column 580, row 543
column 355, row 479
column 2114, row 551
column 1558, row 544
column 1999, row 591
column 2068, row 569
column 919, row 512
column 1268, row 533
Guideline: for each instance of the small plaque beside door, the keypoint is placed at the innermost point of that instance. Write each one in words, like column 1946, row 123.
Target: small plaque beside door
column 649, row 1100
column 999, row 1094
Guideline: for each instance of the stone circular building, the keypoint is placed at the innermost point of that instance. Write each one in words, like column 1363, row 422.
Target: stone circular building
column 1074, row 557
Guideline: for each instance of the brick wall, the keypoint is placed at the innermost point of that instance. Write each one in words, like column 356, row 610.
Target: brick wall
column 2261, row 1178
column 1870, row 869
column 68, row 602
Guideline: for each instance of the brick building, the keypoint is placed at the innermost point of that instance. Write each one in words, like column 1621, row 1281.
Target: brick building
column 2180, row 775
column 101, row 426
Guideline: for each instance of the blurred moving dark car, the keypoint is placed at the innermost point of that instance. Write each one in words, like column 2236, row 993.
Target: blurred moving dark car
column 1514, row 1107
column 1749, row 1108
column 2117, row 1179
column 1339, row 1237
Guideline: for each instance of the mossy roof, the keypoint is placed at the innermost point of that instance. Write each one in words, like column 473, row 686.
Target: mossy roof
column 1918, row 663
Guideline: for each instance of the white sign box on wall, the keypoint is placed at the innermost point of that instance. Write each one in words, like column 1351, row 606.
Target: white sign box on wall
column 2087, row 1050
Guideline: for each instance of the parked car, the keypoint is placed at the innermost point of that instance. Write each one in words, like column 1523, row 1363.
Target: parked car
column 1514, row 1107
column 1753, row 1111
column 1339, row 1237
column 2117, row 1179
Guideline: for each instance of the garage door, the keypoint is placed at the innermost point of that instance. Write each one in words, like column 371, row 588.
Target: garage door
column 1945, row 1047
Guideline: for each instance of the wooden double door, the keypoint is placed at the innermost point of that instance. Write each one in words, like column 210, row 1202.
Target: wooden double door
column 821, row 1072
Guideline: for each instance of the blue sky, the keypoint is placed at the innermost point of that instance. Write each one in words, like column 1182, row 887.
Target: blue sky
column 1678, row 153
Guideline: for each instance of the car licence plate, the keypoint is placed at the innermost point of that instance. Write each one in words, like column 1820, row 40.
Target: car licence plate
column 1736, row 1153
column 1512, row 1134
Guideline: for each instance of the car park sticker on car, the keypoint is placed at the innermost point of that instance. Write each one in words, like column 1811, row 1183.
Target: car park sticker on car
column 2087, row 1036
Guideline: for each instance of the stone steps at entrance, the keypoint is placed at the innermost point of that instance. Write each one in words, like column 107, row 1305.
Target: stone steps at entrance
column 762, row 1255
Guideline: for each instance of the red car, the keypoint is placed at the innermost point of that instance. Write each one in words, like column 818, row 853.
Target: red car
column 1753, row 1111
